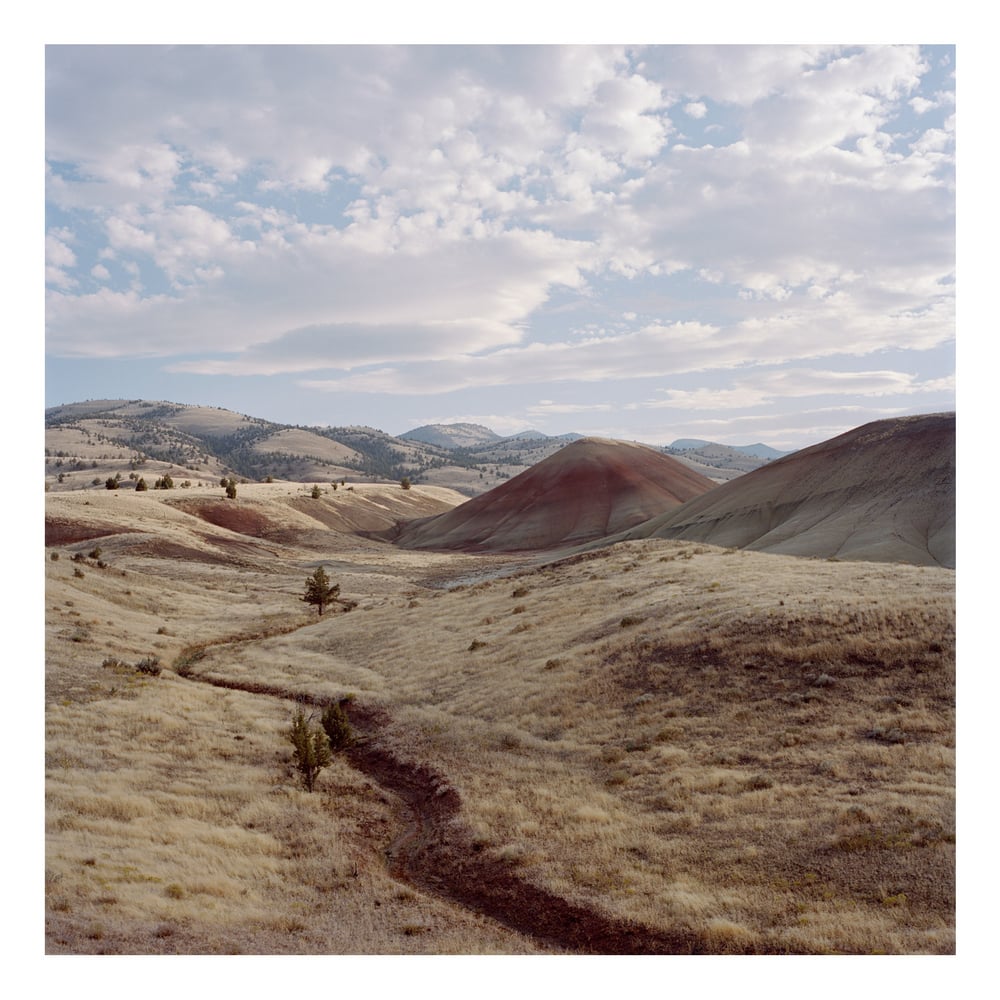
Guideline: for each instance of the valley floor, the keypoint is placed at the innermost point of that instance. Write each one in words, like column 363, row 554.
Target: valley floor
column 657, row 746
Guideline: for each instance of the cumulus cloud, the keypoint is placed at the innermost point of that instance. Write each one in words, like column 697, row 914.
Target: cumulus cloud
column 58, row 259
column 418, row 219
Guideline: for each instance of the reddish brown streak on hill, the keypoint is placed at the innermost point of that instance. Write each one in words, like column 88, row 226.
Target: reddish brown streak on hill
column 59, row 531
column 586, row 490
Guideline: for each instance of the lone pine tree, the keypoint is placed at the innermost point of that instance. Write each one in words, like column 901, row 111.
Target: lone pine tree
column 319, row 591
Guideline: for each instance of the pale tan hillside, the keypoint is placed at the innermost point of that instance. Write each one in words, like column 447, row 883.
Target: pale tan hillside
column 82, row 456
column 296, row 441
column 211, row 420
column 671, row 746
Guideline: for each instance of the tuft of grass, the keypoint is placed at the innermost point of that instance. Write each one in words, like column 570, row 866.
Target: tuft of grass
column 886, row 734
column 149, row 665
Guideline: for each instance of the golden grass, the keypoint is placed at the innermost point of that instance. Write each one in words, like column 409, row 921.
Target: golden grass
column 757, row 748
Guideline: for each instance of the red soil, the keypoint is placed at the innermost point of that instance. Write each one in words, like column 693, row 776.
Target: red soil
column 231, row 515
column 63, row 532
column 587, row 490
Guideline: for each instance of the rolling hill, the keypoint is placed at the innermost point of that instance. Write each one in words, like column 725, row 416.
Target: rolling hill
column 883, row 492
column 452, row 435
column 585, row 490
column 88, row 442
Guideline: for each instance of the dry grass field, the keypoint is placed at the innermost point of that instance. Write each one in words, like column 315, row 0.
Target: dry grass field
column 667, row 746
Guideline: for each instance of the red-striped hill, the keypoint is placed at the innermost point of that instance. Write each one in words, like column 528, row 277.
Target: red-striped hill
column 591, row 488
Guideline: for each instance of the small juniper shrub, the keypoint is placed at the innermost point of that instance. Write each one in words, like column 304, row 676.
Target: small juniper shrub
column 311, row 748
column 337, row 727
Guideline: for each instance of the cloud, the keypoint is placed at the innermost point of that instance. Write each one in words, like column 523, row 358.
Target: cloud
column 422, row 219
column 346, row 346
column 58, row 259
column 763, row 388
column 266, row 292
column 651, row 351
column 776, row 335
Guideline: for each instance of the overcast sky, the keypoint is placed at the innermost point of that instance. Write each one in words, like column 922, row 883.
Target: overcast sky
column 736, row 243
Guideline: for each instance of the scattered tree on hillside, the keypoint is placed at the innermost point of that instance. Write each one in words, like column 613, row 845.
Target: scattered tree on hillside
column 140, row 486
column 230, row 487
column 311, row 748
column 319, row 590
column 163, row 483
column 111, row 483
column 316, row 493
column 405, row 482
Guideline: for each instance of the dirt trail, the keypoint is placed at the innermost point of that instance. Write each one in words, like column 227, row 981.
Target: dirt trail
column 436, row 852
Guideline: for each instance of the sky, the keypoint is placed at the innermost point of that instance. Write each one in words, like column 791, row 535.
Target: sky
column 740, row 243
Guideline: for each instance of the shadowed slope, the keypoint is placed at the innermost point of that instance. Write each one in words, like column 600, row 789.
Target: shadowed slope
column 588, row 489
column 884, row 492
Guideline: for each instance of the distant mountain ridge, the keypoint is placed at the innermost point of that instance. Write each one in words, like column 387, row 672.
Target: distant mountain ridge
column 459, row 435
column 91, row 441
column 99, row 439
column 722, row 461
column 697, row 444
column 452, row 435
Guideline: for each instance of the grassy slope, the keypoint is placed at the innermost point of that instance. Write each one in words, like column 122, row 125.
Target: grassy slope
column 760, row 748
